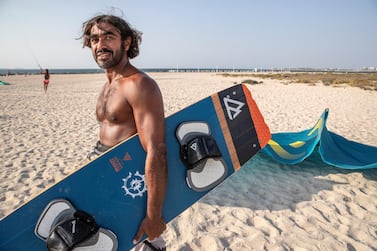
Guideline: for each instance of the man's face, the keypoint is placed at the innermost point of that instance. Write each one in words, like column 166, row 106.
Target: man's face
column 106, row 44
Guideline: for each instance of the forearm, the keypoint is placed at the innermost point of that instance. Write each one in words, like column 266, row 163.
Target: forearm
column 156, row 179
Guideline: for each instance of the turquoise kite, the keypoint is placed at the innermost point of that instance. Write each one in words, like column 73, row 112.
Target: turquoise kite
column 335, row 150
column 4, row 83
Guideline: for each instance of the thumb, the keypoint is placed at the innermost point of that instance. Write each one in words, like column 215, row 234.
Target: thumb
column 138, row 236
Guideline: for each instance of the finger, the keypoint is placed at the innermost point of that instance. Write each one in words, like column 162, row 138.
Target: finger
column 138, row 236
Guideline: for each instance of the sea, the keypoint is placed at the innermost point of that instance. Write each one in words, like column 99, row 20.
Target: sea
column 5, row 72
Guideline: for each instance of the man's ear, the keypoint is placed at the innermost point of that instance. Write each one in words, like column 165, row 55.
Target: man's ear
column 127, row 43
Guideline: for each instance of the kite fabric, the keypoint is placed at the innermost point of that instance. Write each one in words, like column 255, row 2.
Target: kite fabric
column 335, row 150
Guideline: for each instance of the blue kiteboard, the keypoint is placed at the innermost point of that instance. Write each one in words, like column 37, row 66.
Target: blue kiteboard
column 206, row 143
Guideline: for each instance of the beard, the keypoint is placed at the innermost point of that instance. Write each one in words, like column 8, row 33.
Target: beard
column 112, row 61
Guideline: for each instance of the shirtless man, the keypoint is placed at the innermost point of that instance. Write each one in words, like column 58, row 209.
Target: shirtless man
column 129, row 103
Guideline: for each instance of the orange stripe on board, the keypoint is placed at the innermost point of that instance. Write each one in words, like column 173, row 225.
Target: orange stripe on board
column 226, row 132
column 263, row 132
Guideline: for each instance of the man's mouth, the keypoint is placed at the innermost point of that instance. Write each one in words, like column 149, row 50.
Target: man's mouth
column 103, row 53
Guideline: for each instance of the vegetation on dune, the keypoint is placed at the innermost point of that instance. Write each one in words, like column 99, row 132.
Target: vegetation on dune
column 251, row 82
column 366, row 81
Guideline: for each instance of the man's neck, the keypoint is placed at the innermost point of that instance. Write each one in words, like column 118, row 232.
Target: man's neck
column 119, row 71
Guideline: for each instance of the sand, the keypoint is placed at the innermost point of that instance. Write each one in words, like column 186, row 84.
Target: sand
column 264, row 206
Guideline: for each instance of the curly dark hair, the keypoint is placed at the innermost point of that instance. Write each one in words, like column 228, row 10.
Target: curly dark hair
column 124, row 28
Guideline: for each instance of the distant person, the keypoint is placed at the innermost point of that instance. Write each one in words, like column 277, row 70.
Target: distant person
column 46, row 79
column 130, row 102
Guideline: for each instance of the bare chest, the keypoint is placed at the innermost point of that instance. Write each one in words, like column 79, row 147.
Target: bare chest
column 113, row 106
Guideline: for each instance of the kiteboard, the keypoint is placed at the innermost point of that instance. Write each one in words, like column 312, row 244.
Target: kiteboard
column 106, row 198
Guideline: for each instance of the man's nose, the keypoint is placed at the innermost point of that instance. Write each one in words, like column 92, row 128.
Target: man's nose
column 101, row 41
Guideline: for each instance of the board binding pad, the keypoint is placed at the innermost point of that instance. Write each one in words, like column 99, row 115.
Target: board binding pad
column 59, row 211
column 205, row 166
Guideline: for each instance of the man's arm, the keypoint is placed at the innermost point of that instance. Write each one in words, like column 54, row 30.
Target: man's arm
column 148, row 111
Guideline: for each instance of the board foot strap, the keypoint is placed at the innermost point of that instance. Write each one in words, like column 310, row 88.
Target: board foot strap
column 205, row 166
column 63, row 227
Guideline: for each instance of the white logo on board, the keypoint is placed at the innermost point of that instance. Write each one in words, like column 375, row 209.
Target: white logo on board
column 193, row 146
column 134, row 185
column 233, row 107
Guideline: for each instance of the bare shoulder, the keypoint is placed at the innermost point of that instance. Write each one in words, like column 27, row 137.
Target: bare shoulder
column 140, row 86
column 145, row 83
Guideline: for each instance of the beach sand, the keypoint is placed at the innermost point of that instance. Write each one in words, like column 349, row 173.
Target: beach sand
column 264, row 206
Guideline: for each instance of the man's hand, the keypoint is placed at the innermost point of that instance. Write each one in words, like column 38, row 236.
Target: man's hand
column 153, row 228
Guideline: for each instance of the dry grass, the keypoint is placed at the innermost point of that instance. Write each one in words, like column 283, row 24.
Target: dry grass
column 366, row 81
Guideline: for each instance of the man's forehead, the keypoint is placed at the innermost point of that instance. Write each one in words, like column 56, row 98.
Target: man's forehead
column 103, row 28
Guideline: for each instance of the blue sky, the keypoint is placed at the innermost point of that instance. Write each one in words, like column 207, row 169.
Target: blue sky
column 197, row 33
